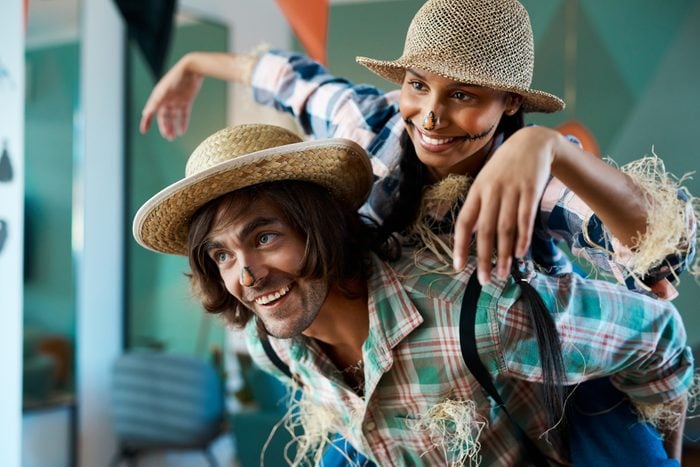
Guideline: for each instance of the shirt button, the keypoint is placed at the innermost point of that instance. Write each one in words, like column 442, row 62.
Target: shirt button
column 370, row 425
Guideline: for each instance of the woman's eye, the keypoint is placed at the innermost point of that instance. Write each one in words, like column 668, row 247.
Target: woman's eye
column 460, row 95
column 417, row 85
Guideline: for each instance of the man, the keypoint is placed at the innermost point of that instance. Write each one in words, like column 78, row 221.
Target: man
column 270, row 226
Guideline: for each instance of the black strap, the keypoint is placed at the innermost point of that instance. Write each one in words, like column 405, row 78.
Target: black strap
column 467, row 341
column 272, row 355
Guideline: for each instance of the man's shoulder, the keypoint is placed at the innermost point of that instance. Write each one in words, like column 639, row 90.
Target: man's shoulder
column 410, row 295
column 422, row 275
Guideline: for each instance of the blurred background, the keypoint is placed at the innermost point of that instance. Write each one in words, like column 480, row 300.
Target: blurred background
column 79, row 297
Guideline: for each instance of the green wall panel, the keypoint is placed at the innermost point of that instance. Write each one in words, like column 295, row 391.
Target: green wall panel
column 604, row 98
column 637, row 33
column 541, row 16
column 375, row 30
column 549, row 73
column 51, row 100
column 161, row 309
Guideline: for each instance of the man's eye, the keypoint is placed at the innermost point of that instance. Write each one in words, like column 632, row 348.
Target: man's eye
column 266, row 238
column 220, row 257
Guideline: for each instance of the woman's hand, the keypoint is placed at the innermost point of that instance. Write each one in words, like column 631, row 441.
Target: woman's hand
column 503, row 200
column 171, row 100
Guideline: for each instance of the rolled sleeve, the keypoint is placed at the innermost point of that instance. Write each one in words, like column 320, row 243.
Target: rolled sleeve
column 567, row 218
column 325, row 105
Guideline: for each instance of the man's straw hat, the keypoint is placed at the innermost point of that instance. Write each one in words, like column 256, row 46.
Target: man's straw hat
column 482, row 42
column 242, row 156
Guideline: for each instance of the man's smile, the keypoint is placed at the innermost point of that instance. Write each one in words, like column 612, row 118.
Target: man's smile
column 270, row 297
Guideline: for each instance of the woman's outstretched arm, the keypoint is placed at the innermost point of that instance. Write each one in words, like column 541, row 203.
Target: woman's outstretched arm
column 172, row 98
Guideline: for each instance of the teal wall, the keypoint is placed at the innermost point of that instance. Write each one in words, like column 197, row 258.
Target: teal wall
column 159, row 304
column 633, row 73
column 51, row 99
column 375, row 30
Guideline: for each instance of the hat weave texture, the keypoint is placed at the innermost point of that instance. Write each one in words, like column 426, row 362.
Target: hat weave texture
column 245, row 155
column 481, row 42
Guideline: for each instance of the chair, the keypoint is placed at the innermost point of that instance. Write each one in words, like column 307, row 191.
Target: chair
column 162, row 401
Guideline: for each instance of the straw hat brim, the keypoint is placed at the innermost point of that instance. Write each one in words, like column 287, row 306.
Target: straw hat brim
column 533, row 100
column 341, row 166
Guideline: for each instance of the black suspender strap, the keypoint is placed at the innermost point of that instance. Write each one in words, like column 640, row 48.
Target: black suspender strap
column 467, row 341
column 272, row 355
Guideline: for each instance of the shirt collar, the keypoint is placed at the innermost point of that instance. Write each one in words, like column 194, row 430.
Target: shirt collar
column 392, row 314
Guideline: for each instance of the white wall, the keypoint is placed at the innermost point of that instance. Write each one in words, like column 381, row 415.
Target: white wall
column 98, row 225
column 11, row 212
column 47, row 437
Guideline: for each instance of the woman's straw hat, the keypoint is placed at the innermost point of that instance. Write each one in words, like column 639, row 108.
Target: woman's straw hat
column 483, row 42
column 242, row 156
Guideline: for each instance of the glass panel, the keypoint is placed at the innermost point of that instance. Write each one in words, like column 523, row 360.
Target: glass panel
column 161, row 312
column 52, row 83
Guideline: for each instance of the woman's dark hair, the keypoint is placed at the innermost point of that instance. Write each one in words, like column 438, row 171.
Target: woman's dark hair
column 403, row 213
column 548, row 345
column 404, row 210
column 509, row 124
column 336, row 240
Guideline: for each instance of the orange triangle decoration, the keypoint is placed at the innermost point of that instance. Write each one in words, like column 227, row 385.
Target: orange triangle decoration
column 309, row 20
column 25, row 9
